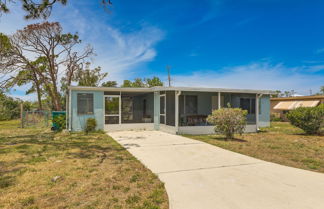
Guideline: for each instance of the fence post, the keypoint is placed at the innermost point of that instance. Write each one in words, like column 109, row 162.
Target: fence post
column 22, row 115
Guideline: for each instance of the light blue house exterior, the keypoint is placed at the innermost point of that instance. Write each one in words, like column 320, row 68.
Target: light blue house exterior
column 178, row 110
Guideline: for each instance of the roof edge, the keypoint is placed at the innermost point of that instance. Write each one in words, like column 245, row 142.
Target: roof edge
column 162, row 88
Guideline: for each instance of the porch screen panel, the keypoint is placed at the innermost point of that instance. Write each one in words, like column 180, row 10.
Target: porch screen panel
column 191, row 105
column 170, row 108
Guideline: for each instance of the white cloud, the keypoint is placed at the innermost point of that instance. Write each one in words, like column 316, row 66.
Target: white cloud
column 259, row 75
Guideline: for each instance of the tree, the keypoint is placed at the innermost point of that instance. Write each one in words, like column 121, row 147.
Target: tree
column 89, row 77
column 40, row 8
column 228, row 121
column 155, row 81
column 142, row 83
column 322, row 90
column 54, row 53
column 109, row 84
column 11, row 60
column 127, row 83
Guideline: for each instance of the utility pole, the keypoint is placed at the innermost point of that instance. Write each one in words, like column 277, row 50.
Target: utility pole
column 310, row 92
column 169, row 76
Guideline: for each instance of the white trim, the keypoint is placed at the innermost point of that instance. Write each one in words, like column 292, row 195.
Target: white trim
column 163, row 95
column 111, row 115
column 70, row 110
column 129, row 127
column 160, row 88
column 257, row 110
column 177, row 94
column 219, row 100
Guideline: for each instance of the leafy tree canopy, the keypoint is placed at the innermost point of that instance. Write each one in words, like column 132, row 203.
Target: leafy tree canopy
column 142, row 83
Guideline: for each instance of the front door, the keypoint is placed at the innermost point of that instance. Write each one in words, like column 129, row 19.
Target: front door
column 112, row 109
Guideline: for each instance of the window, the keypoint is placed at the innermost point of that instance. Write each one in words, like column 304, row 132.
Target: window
column 191, row 104
column 248, row 104
column 85, row 103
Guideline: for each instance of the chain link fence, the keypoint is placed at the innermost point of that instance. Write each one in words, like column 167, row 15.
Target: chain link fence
column 37, row 118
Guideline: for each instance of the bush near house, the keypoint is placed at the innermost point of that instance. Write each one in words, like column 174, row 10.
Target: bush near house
column 228, row 121
column 90, row 125
column 309, row 119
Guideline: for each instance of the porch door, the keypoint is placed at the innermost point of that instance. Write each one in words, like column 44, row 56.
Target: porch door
column 162, row 109
column 112, row 109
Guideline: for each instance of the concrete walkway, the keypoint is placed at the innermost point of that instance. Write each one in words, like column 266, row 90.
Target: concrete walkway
column 201, row 176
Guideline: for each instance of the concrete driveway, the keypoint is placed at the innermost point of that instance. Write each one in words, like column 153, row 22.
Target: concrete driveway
column 201, row 176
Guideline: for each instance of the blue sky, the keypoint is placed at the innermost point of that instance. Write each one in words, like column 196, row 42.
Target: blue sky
column 254, row 44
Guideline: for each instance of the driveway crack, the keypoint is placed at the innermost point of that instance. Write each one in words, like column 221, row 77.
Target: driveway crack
column 208, row 168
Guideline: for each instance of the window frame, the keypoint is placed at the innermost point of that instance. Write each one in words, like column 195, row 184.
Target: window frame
column 86, row 112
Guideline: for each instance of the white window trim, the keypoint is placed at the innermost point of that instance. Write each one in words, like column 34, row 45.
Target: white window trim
column 163, row 95
column 112, row 115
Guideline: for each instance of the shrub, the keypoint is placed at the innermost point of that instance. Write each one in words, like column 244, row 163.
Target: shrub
column 90, row 125
column 60, row 121
column 275, row 118
column 228, row 121
column 310, row 119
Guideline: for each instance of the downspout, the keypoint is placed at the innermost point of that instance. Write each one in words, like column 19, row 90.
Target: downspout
column 257, row 111
column 177, row 94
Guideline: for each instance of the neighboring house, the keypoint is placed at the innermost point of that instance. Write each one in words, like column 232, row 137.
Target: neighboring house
column 178, row 110
column 281, row 105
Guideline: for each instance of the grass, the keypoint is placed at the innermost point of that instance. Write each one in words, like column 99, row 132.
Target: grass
column 280, row 143
column 42, row 169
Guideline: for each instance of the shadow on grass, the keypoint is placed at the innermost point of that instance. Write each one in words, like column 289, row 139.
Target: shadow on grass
column 228, row 140
column 39, row 147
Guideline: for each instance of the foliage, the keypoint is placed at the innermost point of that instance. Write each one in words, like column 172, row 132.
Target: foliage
column 155, row 81
column 43, row 70
column 89, row 77
column 310, row 119
column 60, row 121
column 275, row 118
column 109, row 84
column 91, row 125
column 142, row 83
column 322, row 90
column 41, row 8
column 228, row 121
column 10, row 107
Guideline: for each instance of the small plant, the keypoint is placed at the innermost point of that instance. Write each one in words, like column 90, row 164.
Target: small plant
column 275, row 118
column 60, row 122
column 309, row 119
column 90, row 125
column 228, row 121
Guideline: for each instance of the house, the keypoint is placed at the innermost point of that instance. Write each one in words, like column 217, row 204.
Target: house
column 178, row 110
column 281, row 105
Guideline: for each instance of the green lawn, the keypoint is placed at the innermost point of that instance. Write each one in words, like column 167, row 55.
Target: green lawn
column 281, row 143
column 42, row 169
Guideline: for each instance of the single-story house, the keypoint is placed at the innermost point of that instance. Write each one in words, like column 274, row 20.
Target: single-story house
column 178, row 110
column 281, row 105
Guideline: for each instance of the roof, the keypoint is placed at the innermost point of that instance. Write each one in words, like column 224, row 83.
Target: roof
column 162, row 88
column 298, row 98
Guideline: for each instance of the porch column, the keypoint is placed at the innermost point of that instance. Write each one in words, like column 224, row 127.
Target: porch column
column 257, row 111
column 177, row 94
column 219, row 100
column 156, row 110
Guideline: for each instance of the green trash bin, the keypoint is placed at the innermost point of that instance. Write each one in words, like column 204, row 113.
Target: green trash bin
column 55, row 114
